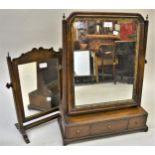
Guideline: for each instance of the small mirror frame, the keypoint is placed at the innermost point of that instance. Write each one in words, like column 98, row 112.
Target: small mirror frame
column 24, row 122
column 68, row 84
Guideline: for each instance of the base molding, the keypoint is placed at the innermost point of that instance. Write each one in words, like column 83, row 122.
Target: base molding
column 103, row 124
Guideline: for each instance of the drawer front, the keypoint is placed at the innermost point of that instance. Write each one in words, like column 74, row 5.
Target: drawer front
column 137, row 122
column 78, row 131
column 107, row 127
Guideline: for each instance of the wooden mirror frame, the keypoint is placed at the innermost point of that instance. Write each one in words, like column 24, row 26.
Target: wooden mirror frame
column 68, row 105
column 40, row 54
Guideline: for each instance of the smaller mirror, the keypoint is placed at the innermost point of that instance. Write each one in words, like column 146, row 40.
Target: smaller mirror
column 35, row 77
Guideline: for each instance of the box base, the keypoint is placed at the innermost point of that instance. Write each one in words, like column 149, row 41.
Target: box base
column 103, row 124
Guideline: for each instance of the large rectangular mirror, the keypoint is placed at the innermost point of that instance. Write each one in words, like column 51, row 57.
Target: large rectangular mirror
column 105, row 51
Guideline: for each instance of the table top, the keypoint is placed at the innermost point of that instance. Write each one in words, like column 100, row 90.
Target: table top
column 102, row 36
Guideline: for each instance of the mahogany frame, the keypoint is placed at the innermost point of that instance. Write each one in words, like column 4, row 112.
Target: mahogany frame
column 68, row 106
column 40, row 54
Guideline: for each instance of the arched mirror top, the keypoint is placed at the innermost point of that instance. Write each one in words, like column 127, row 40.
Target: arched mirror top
column 99, row 15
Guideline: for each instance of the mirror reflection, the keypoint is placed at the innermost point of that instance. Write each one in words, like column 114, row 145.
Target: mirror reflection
column 39, row 86
column 104, row 59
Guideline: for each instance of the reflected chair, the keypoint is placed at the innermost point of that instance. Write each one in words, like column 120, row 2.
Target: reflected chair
column 103, row 58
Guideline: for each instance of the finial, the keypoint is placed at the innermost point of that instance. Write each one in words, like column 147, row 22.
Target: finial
column 147, row 17
column 64, row 16
column 8, row 55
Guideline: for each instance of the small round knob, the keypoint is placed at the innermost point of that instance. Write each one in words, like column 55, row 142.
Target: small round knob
column 8, row 85
column 109, row 127
column 136, row 122
column 77, row 131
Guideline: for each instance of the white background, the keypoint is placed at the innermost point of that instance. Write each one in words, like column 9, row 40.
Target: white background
column 19, row 33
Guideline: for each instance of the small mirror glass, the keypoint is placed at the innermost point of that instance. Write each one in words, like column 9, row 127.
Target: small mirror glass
column 39, row 85
column 104, row 53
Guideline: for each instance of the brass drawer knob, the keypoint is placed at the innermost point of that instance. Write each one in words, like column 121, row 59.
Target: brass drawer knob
column 77, row 131
column 136, row 123
column 109, row 127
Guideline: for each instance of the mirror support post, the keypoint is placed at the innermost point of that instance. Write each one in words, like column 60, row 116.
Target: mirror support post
column 9, row 85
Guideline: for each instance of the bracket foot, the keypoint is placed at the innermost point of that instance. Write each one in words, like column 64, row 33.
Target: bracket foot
column 23, row 133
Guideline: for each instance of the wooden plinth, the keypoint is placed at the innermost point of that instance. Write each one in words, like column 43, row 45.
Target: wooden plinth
column 88, row 126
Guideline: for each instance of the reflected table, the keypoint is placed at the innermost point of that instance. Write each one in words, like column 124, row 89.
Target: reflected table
column 95, row 41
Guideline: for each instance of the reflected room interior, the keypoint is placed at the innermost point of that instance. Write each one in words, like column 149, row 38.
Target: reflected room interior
column 39, row 86
column 104, row 59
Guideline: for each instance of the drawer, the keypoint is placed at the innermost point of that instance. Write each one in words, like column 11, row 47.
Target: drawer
column 137, row 122
column 107, row 127
column 78, row 131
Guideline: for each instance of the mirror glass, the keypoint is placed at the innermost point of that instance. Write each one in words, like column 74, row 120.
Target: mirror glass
column 39, row 85
column 104, row 53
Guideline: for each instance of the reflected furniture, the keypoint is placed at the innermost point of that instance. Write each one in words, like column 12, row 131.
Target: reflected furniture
column 47, row 94
column 106, row 57
column 81, row 120
column 95, row 42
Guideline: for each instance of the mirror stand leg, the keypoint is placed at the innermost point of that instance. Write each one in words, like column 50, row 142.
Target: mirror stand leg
column 146, row 129
column 23, row 133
